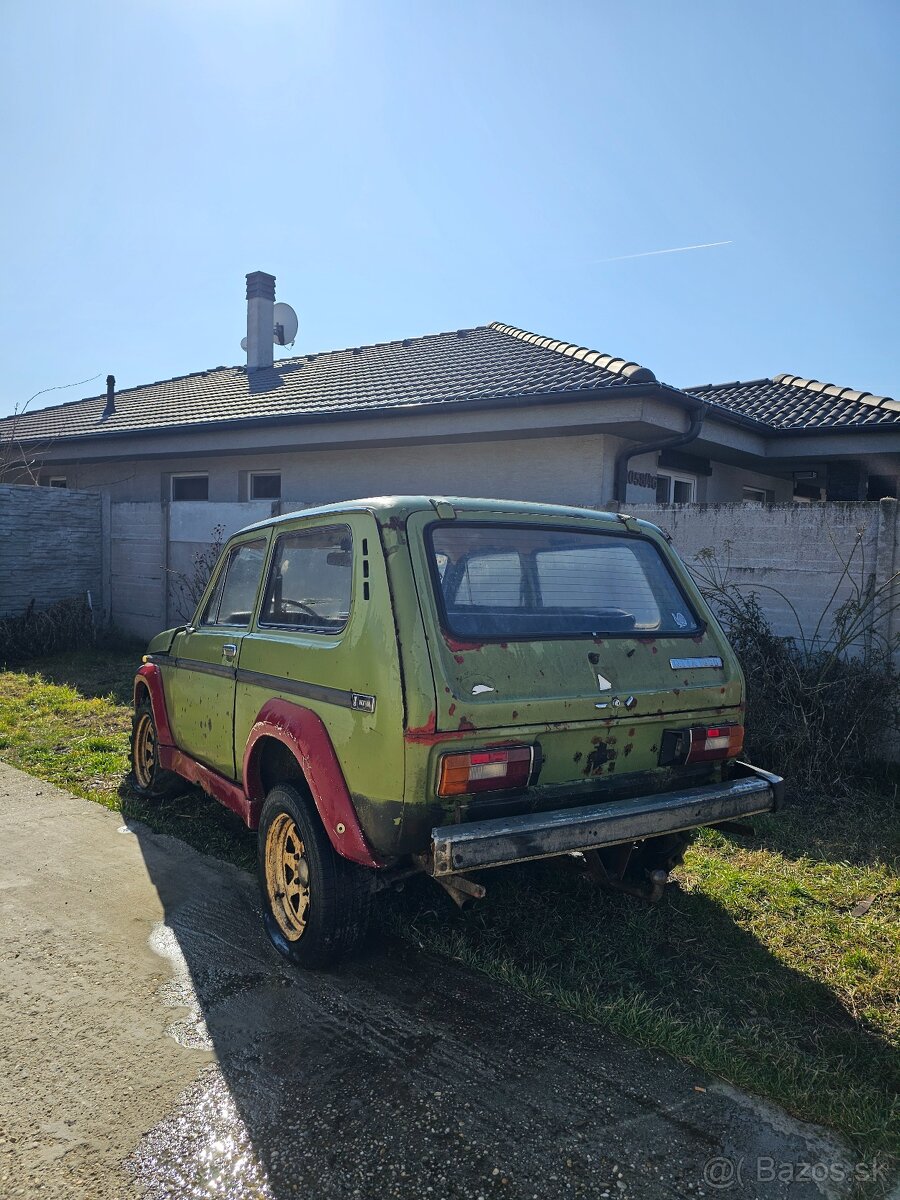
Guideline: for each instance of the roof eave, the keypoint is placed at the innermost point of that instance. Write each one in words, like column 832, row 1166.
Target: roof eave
column 529, row 399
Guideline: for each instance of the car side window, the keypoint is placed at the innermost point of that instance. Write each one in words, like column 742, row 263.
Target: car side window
column 310, row 580
column 235, row 594
column 212, row 604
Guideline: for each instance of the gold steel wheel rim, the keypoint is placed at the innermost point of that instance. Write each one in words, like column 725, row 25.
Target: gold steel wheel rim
column 144, row 753
column 287, row 877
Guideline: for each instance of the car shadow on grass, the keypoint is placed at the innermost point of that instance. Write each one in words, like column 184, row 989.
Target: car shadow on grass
column 683, row 976
column 404, row 1070
column 94, row 671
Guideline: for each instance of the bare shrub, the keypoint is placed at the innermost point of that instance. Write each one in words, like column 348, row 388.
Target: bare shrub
column 187, row 587
column 65, row 625
column 822, row 707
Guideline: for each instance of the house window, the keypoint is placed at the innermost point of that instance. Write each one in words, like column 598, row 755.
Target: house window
column 190, row 487
column 674, row 488
column 57, row 481
column 754, row 495
column 265, row 485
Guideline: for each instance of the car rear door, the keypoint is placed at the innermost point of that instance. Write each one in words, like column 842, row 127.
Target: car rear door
column 596, row 699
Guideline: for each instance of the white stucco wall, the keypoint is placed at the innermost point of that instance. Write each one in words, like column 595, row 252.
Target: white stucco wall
column 725, row 485
column 565, row 470
column 561, row 470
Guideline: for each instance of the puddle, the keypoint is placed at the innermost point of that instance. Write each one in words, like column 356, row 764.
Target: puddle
column 202, row 1151
column 190, row 1029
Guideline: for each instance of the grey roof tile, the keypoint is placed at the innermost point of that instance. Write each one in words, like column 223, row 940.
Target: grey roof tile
column 488, row 362
column 788, row 402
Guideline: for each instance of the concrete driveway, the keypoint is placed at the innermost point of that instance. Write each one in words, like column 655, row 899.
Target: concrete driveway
column 152, row 1043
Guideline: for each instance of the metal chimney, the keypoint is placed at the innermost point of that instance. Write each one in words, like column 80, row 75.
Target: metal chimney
column 260, row 320
column 110, row 397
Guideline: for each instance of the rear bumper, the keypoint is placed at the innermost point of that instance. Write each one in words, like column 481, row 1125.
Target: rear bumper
column 467, row 847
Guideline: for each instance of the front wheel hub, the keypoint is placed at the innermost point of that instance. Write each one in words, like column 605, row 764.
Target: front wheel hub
column 144, row 753
column 287, row 877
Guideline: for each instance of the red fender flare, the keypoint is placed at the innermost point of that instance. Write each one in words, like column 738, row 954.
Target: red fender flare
column 149, row 678
column 305, row 735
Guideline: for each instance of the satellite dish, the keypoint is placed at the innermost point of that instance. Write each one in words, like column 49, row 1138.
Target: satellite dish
column 286, row 325
column 243, row 343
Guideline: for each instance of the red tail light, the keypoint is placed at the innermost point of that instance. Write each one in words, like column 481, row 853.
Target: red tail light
column 485, row 770
column 700, row 743
column 714, row 742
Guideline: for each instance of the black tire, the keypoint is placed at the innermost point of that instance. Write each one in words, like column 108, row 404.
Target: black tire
column 147, row 778
column 316, row 904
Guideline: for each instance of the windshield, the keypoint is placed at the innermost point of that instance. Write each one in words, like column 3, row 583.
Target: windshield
column 510, row 581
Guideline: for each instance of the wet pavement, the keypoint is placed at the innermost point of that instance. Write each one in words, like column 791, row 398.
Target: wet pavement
column 153, row 1044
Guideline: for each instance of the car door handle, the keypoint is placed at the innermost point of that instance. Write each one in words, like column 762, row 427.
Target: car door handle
column 229, row 650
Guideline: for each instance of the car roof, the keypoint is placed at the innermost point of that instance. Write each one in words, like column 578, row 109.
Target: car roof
column 387, row 507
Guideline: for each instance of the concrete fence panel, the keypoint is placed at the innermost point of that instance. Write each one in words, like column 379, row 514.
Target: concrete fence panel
column 50, row 547
column 137, row 566
column 792, row 555
column 192, row 528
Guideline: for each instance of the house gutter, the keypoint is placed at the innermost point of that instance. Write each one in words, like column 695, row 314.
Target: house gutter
column 620, row 477
column 485, row 403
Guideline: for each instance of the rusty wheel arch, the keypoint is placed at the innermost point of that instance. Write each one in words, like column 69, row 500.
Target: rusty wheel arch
column 272, row 762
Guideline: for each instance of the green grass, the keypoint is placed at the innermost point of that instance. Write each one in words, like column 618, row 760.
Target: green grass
column 67, row 719
column 759, row 965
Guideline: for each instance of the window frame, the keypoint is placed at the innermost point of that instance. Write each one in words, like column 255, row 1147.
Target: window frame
column 57, row 481
column 221, row 572
column 188, row 475
column 676, row 477
column 292, row 627
column 254, row 475
column 761, row 496
column 437, row 590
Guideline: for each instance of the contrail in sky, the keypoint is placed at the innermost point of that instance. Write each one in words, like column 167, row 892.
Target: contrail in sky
column 673, row 250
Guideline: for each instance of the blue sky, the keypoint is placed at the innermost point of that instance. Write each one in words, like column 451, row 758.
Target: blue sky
column 405, row 168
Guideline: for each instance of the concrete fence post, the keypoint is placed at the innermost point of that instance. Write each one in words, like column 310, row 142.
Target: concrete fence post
column 165, row 539
column 106, row 556
column 886, row 568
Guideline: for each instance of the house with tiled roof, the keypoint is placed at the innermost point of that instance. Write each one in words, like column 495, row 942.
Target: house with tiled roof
column 839, row 443
column 489, row 410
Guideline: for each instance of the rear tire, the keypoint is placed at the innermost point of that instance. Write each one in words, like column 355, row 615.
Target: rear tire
column 147, row 778
column 316, row 904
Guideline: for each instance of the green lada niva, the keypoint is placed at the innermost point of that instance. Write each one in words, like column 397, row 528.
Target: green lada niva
column 425, row 685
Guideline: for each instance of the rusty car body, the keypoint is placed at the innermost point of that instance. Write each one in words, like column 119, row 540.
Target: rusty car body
column 439, row 685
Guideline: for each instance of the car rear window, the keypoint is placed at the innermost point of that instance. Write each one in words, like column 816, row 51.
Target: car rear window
column 517, row 582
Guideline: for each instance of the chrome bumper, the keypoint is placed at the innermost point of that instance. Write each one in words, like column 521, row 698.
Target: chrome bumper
column 494, row 843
